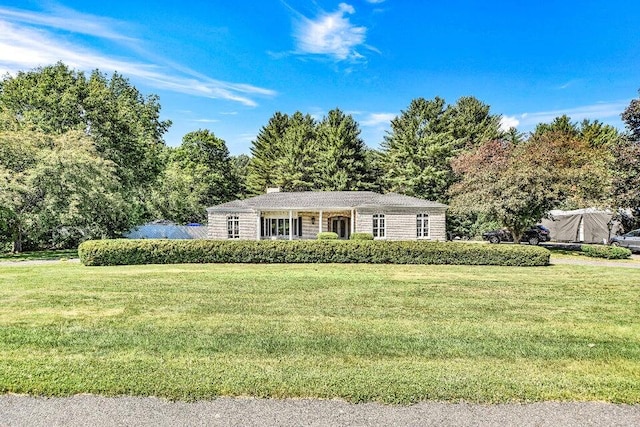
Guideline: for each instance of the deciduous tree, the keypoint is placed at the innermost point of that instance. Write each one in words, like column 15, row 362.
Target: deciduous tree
column 199, row 174
column 56, row 191
column 518, row 184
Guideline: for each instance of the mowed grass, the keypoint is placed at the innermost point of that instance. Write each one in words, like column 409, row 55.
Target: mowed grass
column 389, row 333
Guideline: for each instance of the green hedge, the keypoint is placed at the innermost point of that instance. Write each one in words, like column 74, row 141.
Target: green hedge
column 123, row 252
column 609, row 252
column 327, row 235
column 361, row 236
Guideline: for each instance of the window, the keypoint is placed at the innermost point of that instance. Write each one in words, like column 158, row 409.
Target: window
column 233, row 227
column 422, row 225
column 378, row 225
column 279, row 227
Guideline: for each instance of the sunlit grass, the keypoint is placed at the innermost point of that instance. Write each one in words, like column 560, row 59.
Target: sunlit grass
column 390, row 333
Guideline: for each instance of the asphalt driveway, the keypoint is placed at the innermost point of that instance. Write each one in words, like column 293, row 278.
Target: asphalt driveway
column 87, row 410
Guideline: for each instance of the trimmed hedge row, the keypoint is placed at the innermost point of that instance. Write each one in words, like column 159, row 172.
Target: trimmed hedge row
column 327, row 235
column 608, row 252
column 361, row 236
column 126, row 251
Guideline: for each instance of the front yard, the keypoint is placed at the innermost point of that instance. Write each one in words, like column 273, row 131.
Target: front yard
column 390, row 333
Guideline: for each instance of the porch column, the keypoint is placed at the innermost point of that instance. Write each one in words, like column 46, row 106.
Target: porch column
column 353, row 221
column 258, row 226
column 290, row 225
column 320, row 223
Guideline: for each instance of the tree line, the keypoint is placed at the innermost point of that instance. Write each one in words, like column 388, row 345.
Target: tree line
column 83, row 156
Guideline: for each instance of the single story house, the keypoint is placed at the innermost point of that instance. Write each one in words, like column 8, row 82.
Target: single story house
column 302, row 215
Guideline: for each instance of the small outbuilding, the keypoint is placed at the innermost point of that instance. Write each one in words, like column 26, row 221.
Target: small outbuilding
column 167, row 230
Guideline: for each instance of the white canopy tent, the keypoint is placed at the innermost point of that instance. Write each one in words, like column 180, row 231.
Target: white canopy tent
column 588, row 225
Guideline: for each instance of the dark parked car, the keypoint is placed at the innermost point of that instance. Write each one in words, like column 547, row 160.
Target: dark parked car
column 533, row 236
column 630, row 240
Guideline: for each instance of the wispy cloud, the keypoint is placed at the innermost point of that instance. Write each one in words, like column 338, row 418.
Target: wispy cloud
column 378, row 119
column 599, row 111
column 331, row 35
column 205, row 120
column 570, row 83
column 27, row 41
column 69, row 20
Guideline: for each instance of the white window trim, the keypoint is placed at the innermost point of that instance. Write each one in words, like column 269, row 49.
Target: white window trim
column 266, row 225
column 420, row 217
column 383, row 228
column 234, row 219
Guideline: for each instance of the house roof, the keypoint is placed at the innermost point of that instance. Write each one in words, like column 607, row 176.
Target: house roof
column 324, row 200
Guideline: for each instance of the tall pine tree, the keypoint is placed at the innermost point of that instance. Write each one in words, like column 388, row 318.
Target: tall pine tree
column 341, row 159
column 418, row 150
column 296, row 168
column 266, row 150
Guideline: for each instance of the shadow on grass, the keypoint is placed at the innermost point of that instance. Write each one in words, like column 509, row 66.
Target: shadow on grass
column 40, row 255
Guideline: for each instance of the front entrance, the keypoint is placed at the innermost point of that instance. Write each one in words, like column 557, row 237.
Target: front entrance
column 341, row 226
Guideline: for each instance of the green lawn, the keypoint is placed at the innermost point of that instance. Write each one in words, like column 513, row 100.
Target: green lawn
column 390, row 333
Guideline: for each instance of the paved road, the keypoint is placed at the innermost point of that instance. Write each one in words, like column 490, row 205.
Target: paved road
column 86, row 410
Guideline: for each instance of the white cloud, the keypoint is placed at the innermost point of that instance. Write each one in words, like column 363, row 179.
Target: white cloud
column 597, row 111
column 330, row 34
column 378, row 119
column 508, row 122
column 26, row 42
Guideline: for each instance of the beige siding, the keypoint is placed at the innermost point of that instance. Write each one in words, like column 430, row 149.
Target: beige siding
column 401, row 224
column 309, row 230
column 217, row 228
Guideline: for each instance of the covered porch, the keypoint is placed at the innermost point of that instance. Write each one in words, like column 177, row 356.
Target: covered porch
column 298, row 225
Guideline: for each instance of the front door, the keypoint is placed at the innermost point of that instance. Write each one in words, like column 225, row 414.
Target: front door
column 340, row 226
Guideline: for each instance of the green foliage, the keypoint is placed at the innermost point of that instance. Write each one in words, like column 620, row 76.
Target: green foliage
column 296, row 153
column 341, row 164
column 129, row 252
column 124, row 125
column 626, row 182
column 631, row 118
column 472, row 123
column 56, row 192
column 199, row 173
column 559, row 125
column 609, row 252
column 361, row 236
column 518, row 184
column 240, row 171
column 296, row 165
column 327, row 235
column 426, row 137
column 418, row 149
column 265, row 151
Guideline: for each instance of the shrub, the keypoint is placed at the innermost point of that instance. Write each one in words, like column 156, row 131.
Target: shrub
column 609, row 252
column 327, row 235
column 361, row 236
column 125, row 251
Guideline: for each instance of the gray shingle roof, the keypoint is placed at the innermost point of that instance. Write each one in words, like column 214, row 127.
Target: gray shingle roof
column 308, row 200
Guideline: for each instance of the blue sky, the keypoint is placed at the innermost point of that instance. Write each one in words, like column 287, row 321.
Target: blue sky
column 228, row 66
